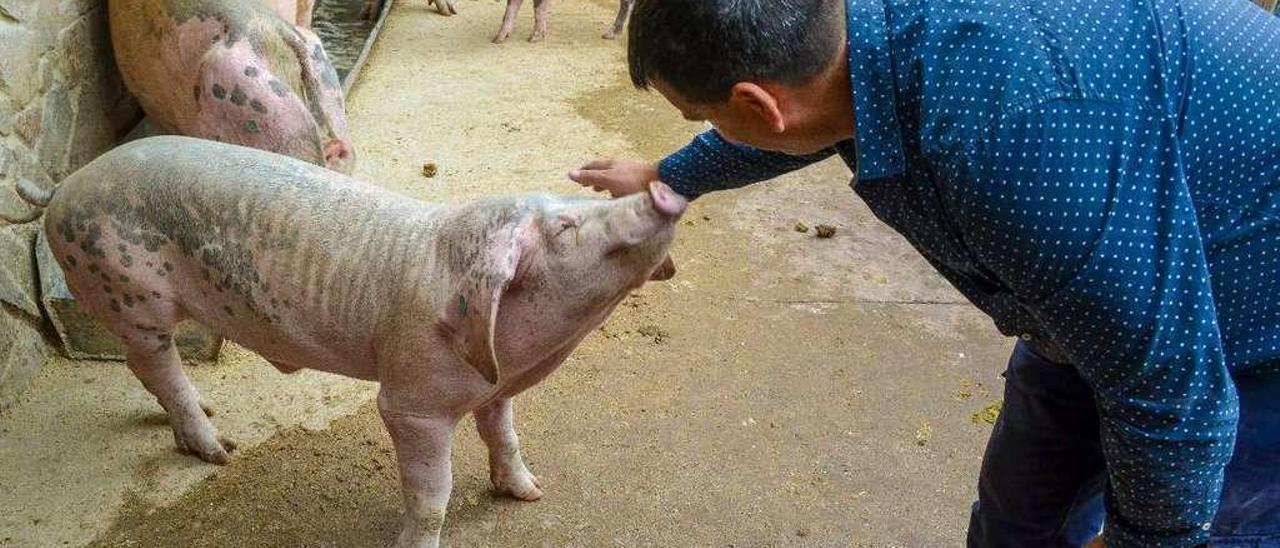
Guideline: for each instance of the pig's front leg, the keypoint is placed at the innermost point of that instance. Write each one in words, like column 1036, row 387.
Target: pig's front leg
column 423, row 450
column 507, row 471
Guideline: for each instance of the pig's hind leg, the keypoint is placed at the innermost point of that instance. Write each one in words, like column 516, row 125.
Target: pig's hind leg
column 539, row 21
column 125, row 286
column 508, row 21
column 156, row 363
column 507, row 471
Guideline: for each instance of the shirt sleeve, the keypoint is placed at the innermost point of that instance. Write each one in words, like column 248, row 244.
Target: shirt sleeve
column 1082, row 209
column 711, row 163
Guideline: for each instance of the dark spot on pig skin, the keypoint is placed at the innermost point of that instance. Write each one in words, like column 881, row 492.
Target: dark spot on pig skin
column 106, row 289
column 161, row 273
column 128, row 300
column 140, row 298
column 251, row 126
column 121, row 248
column 93, row 268
column 68, row 235
column 126, row 261
column 251, row 71
column 165, row 341
column 238, row 98
column 168, row 266
column 115, row 305
column 150, row 264
column 89, row 244
column 155, row 294
column 195, row 93
column 278, row 88
column 257, row 106
column 105, row 277
column 124, row 278
column 71, row 260
column 219, row 91
column 228, row 310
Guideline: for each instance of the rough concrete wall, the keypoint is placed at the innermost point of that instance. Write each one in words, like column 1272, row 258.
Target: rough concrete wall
column 61, row 104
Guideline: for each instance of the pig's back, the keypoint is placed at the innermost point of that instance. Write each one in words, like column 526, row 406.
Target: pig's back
column 221, row 182
column 312, row 256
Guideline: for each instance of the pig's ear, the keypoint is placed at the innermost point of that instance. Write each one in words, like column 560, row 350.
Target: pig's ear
column 471, row 316
column 665, row 271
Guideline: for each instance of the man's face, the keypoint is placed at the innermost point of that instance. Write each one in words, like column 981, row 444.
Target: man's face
column 747, row 119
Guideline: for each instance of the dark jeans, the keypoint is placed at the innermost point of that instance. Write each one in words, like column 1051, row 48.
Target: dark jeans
column 1043, row 474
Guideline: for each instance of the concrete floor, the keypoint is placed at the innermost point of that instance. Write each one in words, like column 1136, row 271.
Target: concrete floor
column 782, row 390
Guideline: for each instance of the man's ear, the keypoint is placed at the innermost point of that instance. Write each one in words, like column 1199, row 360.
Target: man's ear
column 470, row 314
column 761, row 101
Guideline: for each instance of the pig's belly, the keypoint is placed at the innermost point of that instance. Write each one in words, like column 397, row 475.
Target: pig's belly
column 291, row 344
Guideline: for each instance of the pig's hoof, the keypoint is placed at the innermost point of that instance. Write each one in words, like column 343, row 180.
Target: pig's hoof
column 537, row 36
column 610, row 35
column 445, row 7
column 211, row 450
column 208, row 411
column 501, row 37
column 520, row 487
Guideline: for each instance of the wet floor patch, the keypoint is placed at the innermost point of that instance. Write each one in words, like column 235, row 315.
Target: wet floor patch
column 344, row 32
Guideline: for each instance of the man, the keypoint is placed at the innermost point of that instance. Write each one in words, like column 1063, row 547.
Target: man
column 1102, row 177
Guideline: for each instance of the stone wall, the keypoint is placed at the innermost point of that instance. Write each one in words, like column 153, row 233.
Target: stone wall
column 61, row 104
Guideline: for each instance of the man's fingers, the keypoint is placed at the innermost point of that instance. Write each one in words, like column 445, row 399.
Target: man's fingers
column 592, row 178
column 603, row 163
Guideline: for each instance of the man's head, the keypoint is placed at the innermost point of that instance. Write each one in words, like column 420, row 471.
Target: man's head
column 768, row 73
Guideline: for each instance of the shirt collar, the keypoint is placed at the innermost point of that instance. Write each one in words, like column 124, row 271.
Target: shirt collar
column 878, row 135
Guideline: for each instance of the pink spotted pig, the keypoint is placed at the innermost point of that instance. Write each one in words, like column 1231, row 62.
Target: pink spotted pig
column 234, row 71
column 454, row 309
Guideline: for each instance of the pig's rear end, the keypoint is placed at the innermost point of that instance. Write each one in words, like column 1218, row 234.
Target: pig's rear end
column 233, row 71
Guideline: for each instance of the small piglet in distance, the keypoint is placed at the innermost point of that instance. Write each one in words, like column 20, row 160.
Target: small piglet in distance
column 454, row 309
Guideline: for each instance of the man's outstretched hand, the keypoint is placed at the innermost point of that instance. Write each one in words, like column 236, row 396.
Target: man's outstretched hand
column 617, row 177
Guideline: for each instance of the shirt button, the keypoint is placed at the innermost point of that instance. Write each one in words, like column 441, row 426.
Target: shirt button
column 1025, row 336
column 1206, row 526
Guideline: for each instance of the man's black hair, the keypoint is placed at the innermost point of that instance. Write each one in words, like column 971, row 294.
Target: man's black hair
column 701, row 48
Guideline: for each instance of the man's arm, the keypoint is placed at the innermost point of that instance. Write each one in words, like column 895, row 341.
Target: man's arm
column 1081, row 207
column 708, row 163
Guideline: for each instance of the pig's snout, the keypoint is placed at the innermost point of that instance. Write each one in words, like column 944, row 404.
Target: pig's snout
column 666, row 200
column 339, row 156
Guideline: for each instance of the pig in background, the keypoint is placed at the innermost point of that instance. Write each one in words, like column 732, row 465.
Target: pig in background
column 373, row 7
column 454, row 309
column 234, row 71
column 445, row 7
column 540, row 20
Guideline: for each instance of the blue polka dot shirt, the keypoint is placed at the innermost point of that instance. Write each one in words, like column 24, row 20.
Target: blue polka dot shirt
column 1102, row 177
